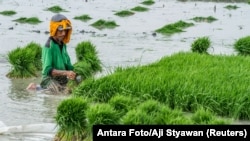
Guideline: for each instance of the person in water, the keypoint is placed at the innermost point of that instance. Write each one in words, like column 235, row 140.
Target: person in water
column 56, row 63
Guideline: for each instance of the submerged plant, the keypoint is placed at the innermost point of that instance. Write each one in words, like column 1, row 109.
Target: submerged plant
column 140, row 9
column 201, row 45
column 174, row 28
column 124, row 13
column 32, row 20
column 208, row 19
column 56, row 9
column 148, row 2
column 83, row 18
column 101, row 24
column 231, row 7
column 242, row 45
column 8, row 13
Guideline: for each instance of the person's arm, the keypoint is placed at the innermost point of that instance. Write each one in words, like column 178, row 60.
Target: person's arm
column 69, row 74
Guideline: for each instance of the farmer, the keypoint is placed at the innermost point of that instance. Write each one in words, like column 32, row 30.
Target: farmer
column 56, row 63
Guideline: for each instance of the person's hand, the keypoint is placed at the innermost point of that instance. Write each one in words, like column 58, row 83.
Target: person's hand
column 71, row 75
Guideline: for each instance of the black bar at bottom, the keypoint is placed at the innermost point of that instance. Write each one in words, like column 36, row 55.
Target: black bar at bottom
column 170, row 132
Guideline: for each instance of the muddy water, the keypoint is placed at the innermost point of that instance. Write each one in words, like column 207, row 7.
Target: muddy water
column 132, row 43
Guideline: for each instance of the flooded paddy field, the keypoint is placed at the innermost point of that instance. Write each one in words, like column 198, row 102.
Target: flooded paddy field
column 133, row 42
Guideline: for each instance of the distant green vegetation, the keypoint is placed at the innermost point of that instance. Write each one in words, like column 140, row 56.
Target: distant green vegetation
column 139, row 9
column 83, row 18
column 174, row 28
column 208, row 19
column 101, row 24
column 231, row 7
column 124, row 13
column 32, row 20
column 56, row 9
column 148, row 2
column 8, row 13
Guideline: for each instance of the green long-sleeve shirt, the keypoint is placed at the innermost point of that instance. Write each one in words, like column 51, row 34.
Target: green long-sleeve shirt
column 54, row 57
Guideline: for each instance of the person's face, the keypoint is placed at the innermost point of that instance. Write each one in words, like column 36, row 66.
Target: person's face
column 60, row 35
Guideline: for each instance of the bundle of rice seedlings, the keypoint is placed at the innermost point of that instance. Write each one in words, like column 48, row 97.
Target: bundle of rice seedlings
column 205, row 116
column 87, row 55
column 71, row 119
column 36, row 48
column 201, row 45
column 122, row 104
column 242, row 45
column 101, row 114
column 22, row 61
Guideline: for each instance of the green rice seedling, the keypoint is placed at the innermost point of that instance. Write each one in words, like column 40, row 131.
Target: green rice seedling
column 184, row 80
column 201, row 45
column 86, row 51
column 83, row 18
column 37, row 49
column 153, row 112
column 140, row 9
column 8, row 12
column 148, row 2
column 137, row 117
column 202, row 116
column 231, row 7
column 174, row 28
column 208, row 19
column 56, row 9
column 205, row 116
column 102, row 114
column 242, row 46
column 241, row 110
column 124, row 13
column 83, row 69
column 101, row 24
column 122, row 104
column 32, row 20
column 22, row 63
column 71, row 119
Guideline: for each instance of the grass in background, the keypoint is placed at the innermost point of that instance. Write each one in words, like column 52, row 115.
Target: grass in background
column 231, row 7
column 83, row 18
column 8, row 12
column 148, row 2
column 101, row 24
column 124, row 13
column 208, row 19
column 56, row 9
column 174, row 28
column 140, row 9
column 32, row 20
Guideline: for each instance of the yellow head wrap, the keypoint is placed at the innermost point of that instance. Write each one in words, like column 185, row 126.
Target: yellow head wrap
column 64, row 24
